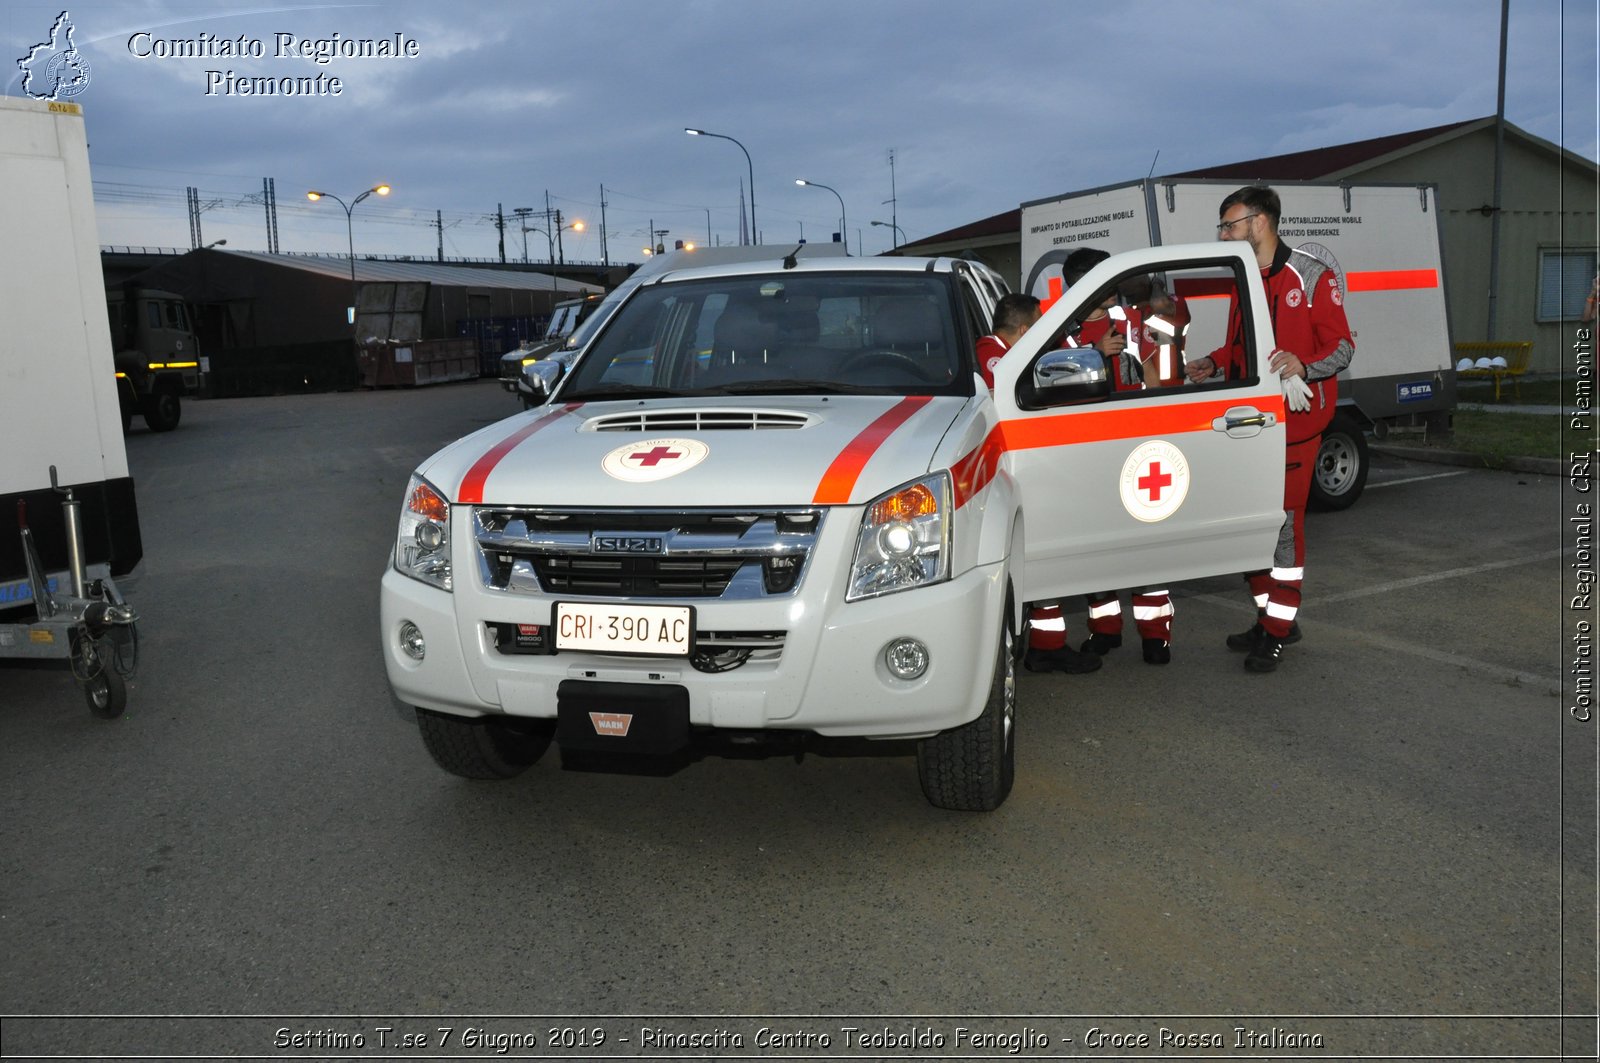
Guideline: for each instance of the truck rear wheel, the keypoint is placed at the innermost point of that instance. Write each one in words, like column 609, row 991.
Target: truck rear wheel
column 162, row 411
column 482, row 747
column 1341, row 471
column 971, row 768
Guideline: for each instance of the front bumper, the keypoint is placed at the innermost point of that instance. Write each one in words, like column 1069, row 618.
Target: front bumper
column 830, row 678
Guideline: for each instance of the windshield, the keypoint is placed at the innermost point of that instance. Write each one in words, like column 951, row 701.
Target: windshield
column 824, row 333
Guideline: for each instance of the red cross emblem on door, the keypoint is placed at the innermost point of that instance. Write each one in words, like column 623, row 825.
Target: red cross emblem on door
column 1155, row 481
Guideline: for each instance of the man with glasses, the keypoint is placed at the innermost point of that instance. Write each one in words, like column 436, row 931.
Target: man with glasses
column 1312, row 343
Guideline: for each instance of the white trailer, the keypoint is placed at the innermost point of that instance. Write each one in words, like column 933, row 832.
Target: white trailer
column 1383, row 244
column 68, row 522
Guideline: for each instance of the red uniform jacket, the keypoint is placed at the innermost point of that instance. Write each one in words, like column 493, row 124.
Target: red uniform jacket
column 1308, row 321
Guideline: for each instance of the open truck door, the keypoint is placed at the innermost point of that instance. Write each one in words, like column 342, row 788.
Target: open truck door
column 1134, row 488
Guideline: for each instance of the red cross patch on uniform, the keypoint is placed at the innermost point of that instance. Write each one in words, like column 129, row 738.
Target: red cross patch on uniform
column 1295, row 297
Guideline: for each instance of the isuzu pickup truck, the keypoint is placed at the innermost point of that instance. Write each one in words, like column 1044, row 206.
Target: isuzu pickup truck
column 775, row 501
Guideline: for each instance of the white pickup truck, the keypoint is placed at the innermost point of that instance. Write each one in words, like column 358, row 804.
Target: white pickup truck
column 775, row 500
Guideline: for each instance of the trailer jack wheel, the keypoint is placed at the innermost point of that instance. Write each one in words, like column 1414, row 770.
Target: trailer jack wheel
column 94, row 665
column 106, row 694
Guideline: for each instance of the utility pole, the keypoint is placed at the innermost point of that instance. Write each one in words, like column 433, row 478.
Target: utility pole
column 605, row 247
column 500, row 223
column 438, row 223
column 893, row 204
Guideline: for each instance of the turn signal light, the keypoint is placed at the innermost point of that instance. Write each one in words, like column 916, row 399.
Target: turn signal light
column 426, row 502
column 915, row 501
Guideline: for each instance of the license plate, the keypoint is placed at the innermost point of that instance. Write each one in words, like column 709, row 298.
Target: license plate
column 650, row 630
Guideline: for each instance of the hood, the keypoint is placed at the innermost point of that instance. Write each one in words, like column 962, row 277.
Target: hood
column 771, row 451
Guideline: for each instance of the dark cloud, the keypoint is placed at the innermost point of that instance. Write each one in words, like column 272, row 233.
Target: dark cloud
column 985, row 106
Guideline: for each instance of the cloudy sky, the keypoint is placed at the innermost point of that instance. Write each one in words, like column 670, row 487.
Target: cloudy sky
column 982, row 105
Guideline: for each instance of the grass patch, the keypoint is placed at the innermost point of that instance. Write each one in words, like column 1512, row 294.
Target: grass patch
column 1495, row 437
column 1529, row 391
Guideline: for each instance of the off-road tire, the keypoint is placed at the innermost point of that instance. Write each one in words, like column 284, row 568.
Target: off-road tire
column 971, row 768
column 483, row 747
column 1340, row 474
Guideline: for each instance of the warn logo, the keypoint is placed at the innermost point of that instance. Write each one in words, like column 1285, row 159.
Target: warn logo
column 616, row 543
column 611, row 723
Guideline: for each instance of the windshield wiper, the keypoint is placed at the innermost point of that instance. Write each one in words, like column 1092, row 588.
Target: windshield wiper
column 623, row 391
column 791, row 387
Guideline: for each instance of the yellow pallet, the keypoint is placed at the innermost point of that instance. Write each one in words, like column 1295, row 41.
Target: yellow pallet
column 1516, row 355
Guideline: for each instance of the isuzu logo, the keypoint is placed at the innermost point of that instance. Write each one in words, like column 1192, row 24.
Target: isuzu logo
column 609, row 543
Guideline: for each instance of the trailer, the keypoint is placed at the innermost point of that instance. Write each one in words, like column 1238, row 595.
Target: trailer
column 69, row 524
column 1382, row 242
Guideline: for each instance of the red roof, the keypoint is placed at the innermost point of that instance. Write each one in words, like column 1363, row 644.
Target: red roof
column 1321, row 162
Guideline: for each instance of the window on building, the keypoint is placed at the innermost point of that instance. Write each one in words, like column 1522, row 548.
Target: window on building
column 1564, row 280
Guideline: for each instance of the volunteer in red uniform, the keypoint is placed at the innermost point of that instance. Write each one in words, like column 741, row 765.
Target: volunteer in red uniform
column 1312, row 343
column 1014, row 314
column 1166, row 324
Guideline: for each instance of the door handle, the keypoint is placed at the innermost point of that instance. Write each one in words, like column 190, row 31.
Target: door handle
column 1242, row 422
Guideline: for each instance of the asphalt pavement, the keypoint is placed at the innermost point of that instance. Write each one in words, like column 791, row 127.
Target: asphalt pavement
column 1389, row 843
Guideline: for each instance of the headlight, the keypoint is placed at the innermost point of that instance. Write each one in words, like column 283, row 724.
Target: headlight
column 904, row 541
column 422, row 548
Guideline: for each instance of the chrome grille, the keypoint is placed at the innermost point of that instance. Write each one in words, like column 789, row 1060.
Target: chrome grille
column 696, row 554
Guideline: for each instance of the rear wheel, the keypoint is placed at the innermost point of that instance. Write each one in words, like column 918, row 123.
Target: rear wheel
column 971, row 768
column 1341, row 471
column 483, row 747
column 162, row 411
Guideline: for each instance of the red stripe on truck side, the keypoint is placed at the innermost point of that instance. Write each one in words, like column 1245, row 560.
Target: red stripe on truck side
column 471, row 492
column 1389, row 280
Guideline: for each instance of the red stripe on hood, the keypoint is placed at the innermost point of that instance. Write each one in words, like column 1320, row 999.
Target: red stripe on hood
column 471, row 492
column 840, row 479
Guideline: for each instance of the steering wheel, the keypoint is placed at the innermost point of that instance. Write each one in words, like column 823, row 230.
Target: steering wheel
column 893, row 360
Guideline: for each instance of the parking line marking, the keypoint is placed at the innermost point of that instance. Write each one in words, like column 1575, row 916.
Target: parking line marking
column 1474, row 665
column 1452, row 573
column 1418, row 479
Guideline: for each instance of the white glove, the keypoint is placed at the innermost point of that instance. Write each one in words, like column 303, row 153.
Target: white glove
column 1297, row 393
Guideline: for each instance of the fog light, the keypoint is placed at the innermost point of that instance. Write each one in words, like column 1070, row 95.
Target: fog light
column 411, row 640
column 906, row 658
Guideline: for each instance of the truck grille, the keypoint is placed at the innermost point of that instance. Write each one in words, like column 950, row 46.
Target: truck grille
column 728, row 554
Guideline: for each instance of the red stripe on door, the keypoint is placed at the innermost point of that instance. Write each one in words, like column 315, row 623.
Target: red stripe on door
column 471, row 492
column 1390, row 280
column 840, row 479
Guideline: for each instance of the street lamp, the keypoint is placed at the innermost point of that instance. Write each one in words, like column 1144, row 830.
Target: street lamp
column 576, row 225
column 720, row 136
column 844, row 233
column 900, row 234
column 349, row 229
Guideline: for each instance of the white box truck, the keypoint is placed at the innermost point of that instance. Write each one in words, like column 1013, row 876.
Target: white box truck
column 69, row 525
column 1382, row 241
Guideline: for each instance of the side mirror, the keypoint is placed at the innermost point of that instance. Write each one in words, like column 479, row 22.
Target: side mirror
column 541, row 378
column 1071, row 375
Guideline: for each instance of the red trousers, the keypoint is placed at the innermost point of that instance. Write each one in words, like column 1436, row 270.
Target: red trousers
column 1277, row 590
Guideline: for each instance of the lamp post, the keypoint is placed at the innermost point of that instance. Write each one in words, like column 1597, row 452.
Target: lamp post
column 554, row 241
column 844, row 233
column 721, row 136
column 350, row 231
column 899, row 233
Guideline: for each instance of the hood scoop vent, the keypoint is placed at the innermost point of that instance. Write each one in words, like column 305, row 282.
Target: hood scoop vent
column 708, row 420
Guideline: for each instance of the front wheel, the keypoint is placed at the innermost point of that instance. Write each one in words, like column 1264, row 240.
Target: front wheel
column 481, row 747
column 971, row 768
column 1341, row 471
column 161, row 411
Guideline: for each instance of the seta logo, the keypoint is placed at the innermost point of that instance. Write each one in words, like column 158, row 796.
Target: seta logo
column 54, row 69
